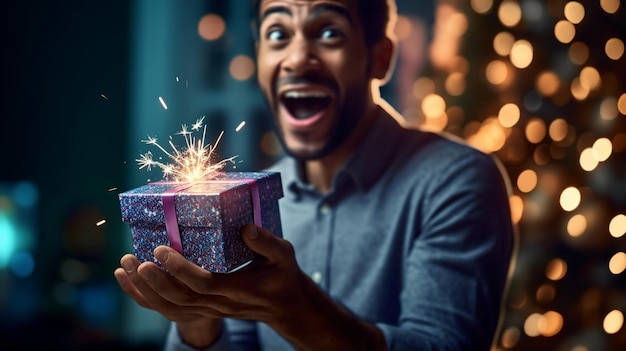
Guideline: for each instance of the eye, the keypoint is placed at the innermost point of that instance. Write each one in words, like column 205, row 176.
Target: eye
column 276, row 34
column 331, row 33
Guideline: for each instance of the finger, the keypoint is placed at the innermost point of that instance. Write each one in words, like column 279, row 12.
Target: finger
column 133, row 284
column 136, row 283
column 129, row 288
column 192, row 275
column 266, row 244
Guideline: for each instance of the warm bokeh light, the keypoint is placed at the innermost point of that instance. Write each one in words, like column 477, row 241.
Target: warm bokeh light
column 545, row 294
column 456, row 23
column 602, row 149
column 510, row 337
column 509, row 115
column 521, row 54
column 574, row 12
column 556, row 269
column 554, row 110
column 535, row 130
column 617, row 226
column 576, row 225
column 211, row 27
column 610, row 6
column 531, row 325
column 579, row 90
column 497, row 72
column 609, row 108
column 587, row 160
column 617, row 263
column 564, row 31
column 481, row 6
column 558, row 129
column 490, row 136
column 621, row 104
column 550, row 323
column 578, row 53
column 613, row 322
column 241, row 67
column 502, row 43
column 509, row 13
column 614, row 48
column 403, row 28
column 455, row 84
column 423, row 87
column 433, row 106
column 517, row 208
column 547, row 83
column 527, row 181
column 590, row 78
column 570, row 198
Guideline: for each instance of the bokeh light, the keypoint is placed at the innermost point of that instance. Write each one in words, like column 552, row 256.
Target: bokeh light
column 570, row 198
column 211, row 27
column 241, row 67
column 509, row 13
column 613, row 322
column 556, row 269
column 614, row 48
column 521, row 54
column 617, row 264
column 574, row 12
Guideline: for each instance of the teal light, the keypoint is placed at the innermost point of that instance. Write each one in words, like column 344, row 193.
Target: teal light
column 7, row 239
column 22, row 264
column 25, row 194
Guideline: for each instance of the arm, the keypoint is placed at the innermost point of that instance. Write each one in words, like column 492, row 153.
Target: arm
column 456, row 270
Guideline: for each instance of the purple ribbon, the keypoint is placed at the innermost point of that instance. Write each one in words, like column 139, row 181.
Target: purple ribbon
column 169, row 207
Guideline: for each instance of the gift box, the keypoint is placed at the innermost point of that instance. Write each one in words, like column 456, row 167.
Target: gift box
column 203, row 220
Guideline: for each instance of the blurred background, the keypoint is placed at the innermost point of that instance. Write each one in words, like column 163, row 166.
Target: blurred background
column 541, row 84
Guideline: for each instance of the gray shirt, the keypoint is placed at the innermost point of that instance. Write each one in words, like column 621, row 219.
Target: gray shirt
column 415, row 236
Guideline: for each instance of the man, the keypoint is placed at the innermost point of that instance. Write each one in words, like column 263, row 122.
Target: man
column 395, row 239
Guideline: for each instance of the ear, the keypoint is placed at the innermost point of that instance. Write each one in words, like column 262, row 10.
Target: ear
column 383, row 59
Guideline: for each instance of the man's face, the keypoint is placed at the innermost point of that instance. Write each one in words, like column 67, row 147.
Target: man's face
column 314, row 70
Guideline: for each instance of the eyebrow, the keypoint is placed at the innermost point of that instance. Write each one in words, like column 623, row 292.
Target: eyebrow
column 317, row 10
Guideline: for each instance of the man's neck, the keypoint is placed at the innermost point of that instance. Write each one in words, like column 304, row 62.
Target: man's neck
column 321, row 172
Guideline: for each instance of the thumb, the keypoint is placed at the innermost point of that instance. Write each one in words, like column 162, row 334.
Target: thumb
column 266, row 244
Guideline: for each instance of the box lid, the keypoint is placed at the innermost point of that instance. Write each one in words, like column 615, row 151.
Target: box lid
column 205, row 203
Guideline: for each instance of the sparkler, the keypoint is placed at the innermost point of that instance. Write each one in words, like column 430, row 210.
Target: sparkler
column 241, row 125
column 162, row 103
column 193, row 163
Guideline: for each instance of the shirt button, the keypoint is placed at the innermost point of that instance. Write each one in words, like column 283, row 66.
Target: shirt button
column 325, row 209
column 317, row 277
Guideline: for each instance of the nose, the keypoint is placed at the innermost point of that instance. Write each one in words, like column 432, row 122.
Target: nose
column 300, row 56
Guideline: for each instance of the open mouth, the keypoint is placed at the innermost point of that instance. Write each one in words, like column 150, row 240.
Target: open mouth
column 305, row 104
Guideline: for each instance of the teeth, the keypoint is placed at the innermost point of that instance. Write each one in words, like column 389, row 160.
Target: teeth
column 294, row 94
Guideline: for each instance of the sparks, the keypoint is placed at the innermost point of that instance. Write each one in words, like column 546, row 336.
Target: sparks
column 193, row 163
column 162, row 103
column 112, row 189
column 104, row 96
column 101, row 222
column 240, row 126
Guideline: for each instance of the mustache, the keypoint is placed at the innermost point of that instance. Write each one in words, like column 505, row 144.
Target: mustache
column 310, row 79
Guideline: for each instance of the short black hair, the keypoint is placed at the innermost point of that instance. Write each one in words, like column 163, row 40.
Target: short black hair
column 373, row 14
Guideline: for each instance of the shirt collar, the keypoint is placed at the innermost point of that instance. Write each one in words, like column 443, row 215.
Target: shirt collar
column 375, row 153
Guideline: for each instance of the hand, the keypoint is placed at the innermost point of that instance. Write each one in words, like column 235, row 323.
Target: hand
column 272, row 289
column 195, row 298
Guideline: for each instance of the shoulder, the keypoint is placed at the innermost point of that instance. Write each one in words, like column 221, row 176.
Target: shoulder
column 441, row 159
column 439, row 150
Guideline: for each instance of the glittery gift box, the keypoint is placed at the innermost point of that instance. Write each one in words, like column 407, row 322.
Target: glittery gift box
column 203, row 220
